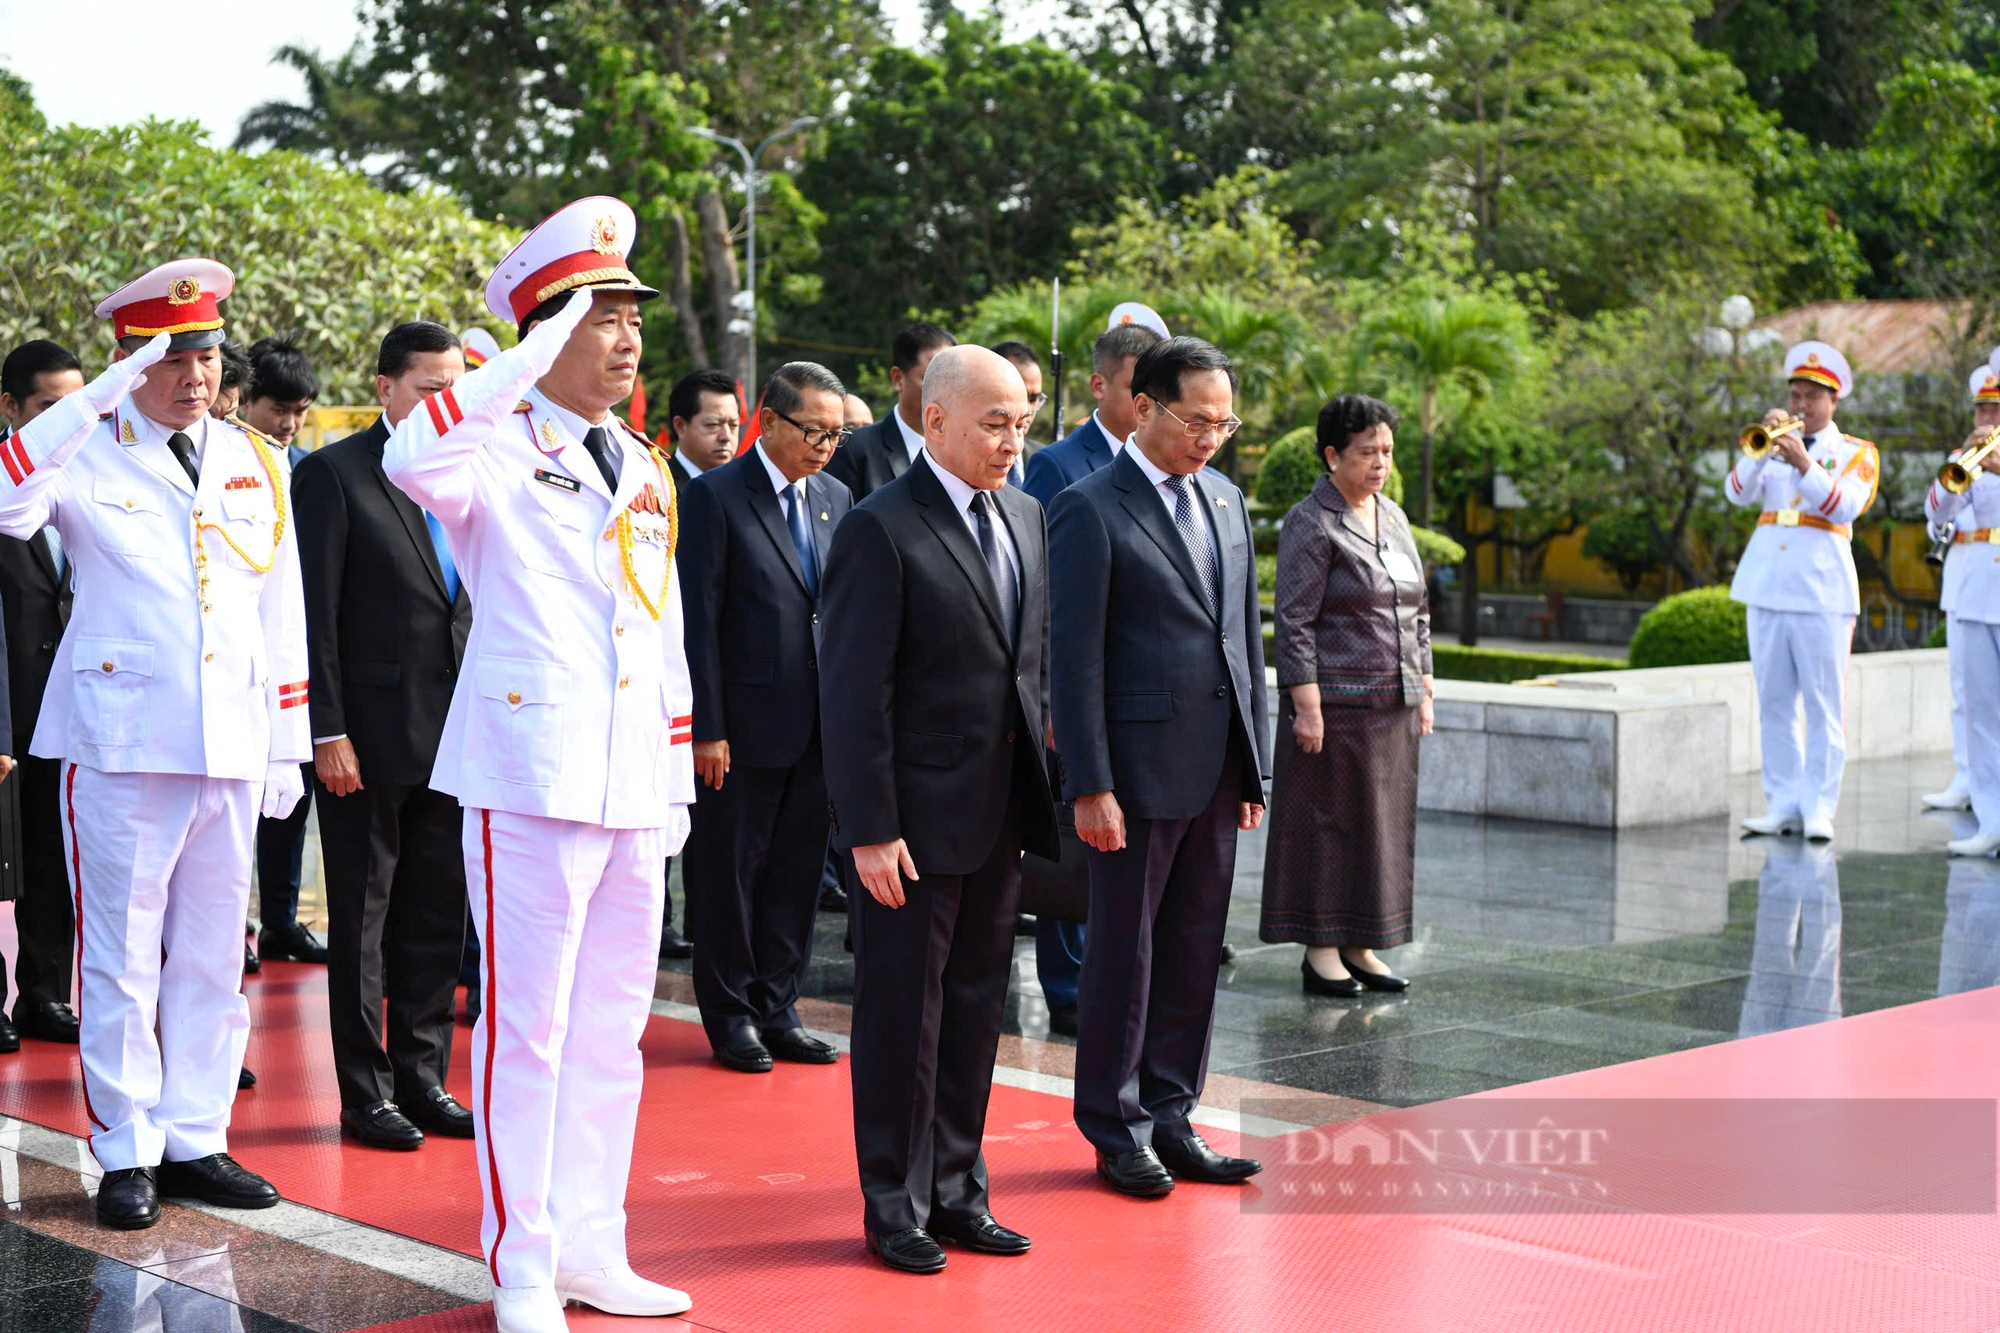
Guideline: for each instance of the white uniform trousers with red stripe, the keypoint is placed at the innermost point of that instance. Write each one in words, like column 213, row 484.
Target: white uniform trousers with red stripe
column 1800, row 657
column 160, row 872
column 568, row 916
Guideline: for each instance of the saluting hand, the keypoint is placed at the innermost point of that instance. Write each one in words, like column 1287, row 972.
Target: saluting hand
column 883, row 866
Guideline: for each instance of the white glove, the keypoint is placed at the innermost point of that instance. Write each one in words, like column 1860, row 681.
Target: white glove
column 679, row 825
column 283, row 786
column 65, row 426
column 121, row 377
column 489, row 394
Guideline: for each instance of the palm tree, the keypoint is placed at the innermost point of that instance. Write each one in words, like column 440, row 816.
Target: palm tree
column 1269, row 345
column 335, row 121
column 1470, row 340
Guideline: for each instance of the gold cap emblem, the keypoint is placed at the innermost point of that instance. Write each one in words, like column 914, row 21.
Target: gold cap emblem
column 183, row 292
column 604, row 236
column 1812, row 358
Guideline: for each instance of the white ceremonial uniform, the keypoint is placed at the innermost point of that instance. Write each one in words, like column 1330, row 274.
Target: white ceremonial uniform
column 568, row 744
column 1797, row 579
column 1969, row 952
column 1972, row 577
column 1795, row 954
column 179, row 683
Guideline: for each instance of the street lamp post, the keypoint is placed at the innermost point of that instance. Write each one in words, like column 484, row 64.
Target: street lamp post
column 746, row 300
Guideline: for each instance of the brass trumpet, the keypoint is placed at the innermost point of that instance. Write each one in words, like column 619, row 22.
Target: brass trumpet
column 1757, row 439
column 1956, row 476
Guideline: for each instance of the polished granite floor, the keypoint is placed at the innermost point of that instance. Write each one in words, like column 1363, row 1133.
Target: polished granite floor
column 1542, row 950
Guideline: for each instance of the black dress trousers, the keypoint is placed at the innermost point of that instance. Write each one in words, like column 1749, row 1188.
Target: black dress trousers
column 751, row 872
column 1158, row 911
column 395, row 901
column 44, row 920
column 930, row 990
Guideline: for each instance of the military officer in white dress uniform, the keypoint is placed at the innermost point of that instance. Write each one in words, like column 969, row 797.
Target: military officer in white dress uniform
column 1984, row 387
column 1797, row 579
column 567, row 743
column 177, row 698
column 1972, row 581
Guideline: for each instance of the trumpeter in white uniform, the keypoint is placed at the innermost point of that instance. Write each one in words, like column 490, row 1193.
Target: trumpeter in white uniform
column 1972, row 580
column 568, row 745
column 1984, row 386
column 1797, row 579
column 177, row 698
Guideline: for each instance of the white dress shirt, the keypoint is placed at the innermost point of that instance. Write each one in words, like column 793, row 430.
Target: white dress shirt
column 688, row 465
column 912, row 440
column 961, row 497
column 578, row 427
column 778, row 483
column 1200, row 506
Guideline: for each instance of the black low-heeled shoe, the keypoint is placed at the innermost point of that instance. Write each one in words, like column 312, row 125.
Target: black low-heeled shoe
column 1383, row 981
column 1343, row 988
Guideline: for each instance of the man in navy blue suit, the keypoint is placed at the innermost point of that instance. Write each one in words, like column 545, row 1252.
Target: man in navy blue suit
column 1059, row 944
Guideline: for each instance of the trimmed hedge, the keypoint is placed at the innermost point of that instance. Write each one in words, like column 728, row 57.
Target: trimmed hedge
column 1496, row 666
column 1691, row 628
column 1292, row 464
column 1937, row 636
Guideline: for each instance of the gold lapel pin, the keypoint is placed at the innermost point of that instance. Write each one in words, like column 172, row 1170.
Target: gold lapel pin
column 822, row 516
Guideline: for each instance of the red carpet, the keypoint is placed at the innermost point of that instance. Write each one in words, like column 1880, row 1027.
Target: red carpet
column 744, row 1193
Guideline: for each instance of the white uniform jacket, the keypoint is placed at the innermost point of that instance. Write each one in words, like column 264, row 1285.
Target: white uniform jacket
column 1972, row 566
column 1791, row 565
column 182, row 655
column 574, row 701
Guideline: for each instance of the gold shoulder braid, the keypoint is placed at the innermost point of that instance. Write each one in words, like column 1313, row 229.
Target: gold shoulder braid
column 271, row 472
column 653, row 608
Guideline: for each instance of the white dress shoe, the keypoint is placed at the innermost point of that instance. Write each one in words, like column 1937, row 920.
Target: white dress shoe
column 1773, row 824
column 528, row 1310
column 1819, row 830
column 1979, row 844
column 619, row 1290
column 1958, row 796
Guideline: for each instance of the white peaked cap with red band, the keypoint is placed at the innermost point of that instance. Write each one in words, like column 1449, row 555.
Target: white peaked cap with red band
column 179, row 298
column 1983, row 384
column 583, row 244
column 1822, row 364
column 480, row 347
column 1132, row 312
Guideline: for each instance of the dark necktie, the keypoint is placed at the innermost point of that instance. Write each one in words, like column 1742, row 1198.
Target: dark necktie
column 997, row 565
column 597, row 443
column 183, row 449
column 795, row 519
column 1194, row 532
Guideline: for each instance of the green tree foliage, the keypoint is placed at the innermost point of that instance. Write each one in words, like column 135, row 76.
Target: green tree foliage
column 76, row 229
column 1626, row 540
column 953, row 174
column 1692, row 628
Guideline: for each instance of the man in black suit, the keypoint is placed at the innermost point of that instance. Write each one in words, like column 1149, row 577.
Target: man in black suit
column 933, row 702
column 705, row 420
column 754, row 538
column 386, row 622
column 877, row 454
column 35, row 588
column 1158, row 693
column 280, row 393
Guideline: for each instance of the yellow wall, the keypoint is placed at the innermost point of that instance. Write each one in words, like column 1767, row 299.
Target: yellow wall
column 324, row 425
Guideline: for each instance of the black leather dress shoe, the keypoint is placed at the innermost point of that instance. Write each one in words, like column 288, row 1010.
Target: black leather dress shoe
column 215, row 1179
column 436, row 1111
column 1191, row 1159
column 910, row 1250
column 50, row 1020
column 292, row 941
column 1345, row 988
column 380, row 1125
column 1062, row 1020
column 128, row 1200
column 1024, row 926
column 744, row 1052
column 245, row 1080
column 792, row 1044
column 1228, row 953
column 10, row 1040
column 983, row 1234
column 1137, row 1173
column 1387, row 981
column 252, row 964
column 673, row 944
column 832, row 898
column 472, row 1006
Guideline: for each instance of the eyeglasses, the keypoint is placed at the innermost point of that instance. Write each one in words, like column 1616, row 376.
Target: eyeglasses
column 1037, row 400
column 1194, row 430
column 815, row 439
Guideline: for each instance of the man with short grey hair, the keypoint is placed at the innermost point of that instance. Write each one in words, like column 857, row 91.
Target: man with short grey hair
column 935, row 778
column 754, row 538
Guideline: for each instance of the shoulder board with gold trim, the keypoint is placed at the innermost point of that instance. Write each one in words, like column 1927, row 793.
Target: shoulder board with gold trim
column 249, row 430
column 1857, row 440
column 524, row 406
column 633, row 433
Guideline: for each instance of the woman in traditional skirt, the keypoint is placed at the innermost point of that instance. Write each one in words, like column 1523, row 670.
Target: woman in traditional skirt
column 1354, row 683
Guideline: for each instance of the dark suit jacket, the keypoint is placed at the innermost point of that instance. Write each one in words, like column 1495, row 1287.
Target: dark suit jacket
column 37, row 602
column 383, row 642
column 930, row 718
column 1147, row 682
column 682, row 477
column 873, row 457
column 1067, row 461
column 752, row 630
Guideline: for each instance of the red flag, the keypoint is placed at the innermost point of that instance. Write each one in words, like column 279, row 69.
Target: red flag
column 751, row 424
column 637, row 414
